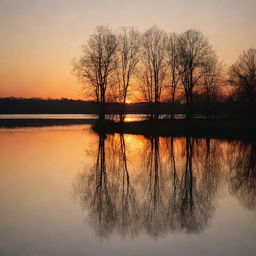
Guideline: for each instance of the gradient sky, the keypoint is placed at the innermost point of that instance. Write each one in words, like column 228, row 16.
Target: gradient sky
column 39, row 38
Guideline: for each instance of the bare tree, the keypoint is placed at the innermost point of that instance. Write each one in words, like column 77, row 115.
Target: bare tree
column 242, row 74
column 128, row 53
column 194, row 54
column 153, row 66
column 211, row 82
column 173, row 68
column 128, row 58
column 98, row 63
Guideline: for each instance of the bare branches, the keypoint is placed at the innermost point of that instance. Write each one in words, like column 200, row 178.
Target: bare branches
column 212, row 79
column 173, row 65
column 98, row 61
column 128, row 58
column 153, row 62
column 243, row 75
column 194, row 54
column 153, row 66
column 158, row 65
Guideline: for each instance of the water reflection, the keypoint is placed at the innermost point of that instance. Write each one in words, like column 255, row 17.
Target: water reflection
column 164, row 184
column 243, row 172
column 107, row 191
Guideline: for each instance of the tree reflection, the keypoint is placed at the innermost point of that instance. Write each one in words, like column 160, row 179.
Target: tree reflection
column 173, row 198
column 153, row 207
column 127, row 205
column 167, row 185
column 106, row 190
column 97, row 193
column 194, row 202
column 243, row 173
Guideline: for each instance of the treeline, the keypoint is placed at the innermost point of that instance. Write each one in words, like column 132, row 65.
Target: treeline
column 169, row 72
column 68, row 106
column 156, row 67
column 46, row 106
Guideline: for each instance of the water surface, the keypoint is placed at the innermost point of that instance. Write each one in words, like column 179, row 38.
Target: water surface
column 69, row 191
column 128, row 118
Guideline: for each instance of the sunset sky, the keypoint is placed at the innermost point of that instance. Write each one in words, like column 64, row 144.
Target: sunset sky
column 39, row 38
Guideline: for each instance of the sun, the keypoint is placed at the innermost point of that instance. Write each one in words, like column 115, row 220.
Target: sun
column 128, row 101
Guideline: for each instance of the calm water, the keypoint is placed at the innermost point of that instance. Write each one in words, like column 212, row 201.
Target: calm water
column 68, row 191
column 128, row 118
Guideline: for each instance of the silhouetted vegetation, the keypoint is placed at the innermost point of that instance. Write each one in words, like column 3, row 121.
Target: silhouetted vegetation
column 167, row 74
column 156, row 67
column 67, row 106
column 46, row 106
column 98, row 63
column 128, row 58
column 243, row 76
column 213, row 128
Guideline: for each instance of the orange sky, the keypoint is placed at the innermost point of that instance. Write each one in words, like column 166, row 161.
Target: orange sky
column 39, row 38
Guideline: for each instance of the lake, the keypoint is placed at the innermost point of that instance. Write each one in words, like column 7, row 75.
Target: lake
column 66, row 190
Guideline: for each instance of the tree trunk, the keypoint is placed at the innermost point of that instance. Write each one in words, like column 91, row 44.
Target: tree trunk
column 102, row 105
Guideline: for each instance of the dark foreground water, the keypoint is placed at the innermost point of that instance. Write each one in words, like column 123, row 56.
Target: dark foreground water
column 68, row 191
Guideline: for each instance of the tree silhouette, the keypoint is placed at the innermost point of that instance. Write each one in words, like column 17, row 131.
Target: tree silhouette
column 211, row 82
column 153, row 66
column 162, row 68
column 128, row 57
column 173, row 67
column 242, row 75
column 195, row 53
column 98, row 63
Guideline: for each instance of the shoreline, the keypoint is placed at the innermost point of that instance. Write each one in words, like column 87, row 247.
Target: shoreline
column 215, row 128
column 225, row 128
column 40, row 122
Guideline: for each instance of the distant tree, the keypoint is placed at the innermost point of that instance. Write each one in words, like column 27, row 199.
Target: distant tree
column 98, row 63
column 173, row 66
column 242, row 75
column 153, row 66
column 194, row 53
column 128, row 57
